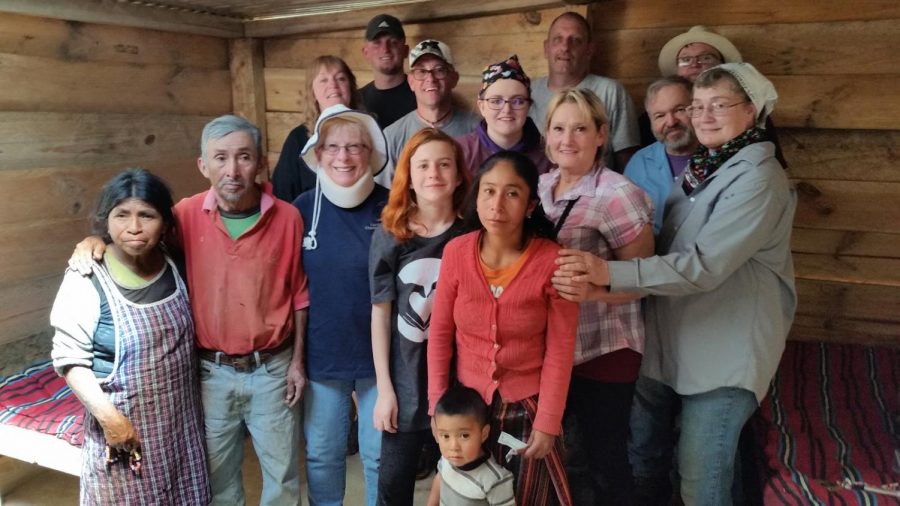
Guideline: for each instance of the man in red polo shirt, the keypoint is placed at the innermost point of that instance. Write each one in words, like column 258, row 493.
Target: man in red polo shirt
column 249, row 299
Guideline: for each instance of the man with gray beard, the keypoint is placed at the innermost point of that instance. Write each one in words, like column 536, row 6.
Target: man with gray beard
column 656, row 167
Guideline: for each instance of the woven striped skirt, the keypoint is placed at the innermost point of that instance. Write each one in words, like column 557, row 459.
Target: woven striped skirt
column 539, row 482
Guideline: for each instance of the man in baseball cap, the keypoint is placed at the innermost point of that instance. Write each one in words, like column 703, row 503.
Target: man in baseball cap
column 432, row 79
column 388, row 96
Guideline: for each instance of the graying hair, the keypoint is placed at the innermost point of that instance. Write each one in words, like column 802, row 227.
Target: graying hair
column 659, row 84
column 227, row 124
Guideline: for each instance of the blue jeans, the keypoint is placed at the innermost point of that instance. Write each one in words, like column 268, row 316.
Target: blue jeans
column 326, row 424
column 233, row 401
column 711, row 425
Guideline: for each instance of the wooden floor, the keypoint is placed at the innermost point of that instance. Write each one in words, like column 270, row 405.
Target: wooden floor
column 43, row 487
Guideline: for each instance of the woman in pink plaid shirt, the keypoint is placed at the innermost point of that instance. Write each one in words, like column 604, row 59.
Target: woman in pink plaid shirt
column 600, row 211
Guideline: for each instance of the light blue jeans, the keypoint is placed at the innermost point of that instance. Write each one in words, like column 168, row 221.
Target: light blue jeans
column 326, row 424
column 711, row 425
column 234, row 400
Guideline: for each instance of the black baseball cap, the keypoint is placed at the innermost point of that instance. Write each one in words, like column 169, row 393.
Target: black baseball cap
column 384, row 23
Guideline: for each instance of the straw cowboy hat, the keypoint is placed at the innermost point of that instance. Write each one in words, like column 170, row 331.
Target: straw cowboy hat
column 667, row 57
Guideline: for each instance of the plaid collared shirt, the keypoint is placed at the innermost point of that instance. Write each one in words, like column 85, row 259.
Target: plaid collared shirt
column 609, row 214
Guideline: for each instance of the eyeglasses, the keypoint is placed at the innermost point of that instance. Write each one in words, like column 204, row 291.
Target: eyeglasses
column 715, row 108
column 353, row 149
column 419, row 74
column 702, row 59
column 515, row 103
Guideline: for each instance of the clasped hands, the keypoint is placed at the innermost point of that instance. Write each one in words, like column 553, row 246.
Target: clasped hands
column 580, row 276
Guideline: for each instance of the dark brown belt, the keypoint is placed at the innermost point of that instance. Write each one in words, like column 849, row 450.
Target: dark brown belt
column 244, row 363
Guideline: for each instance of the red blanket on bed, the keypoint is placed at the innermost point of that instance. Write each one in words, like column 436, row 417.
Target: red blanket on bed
column 833, row 413
column 37, row 399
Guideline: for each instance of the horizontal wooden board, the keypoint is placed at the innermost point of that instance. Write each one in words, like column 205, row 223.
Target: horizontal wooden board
column 627, row 14
column 39, row 248
column 471, row 52
column 848, row 301
column 416, row 12
column 25, row 306
column 72, row 41
column 137, row 14
column 879, row 336
column 37, row 140
column 32, row 83
column 810, row 328
column 848, row 205
column 840, row 243
column 849, row 155
column 71, row 192
column 280, row 125
column 838, row 101
column 848, row 269
column 776, row 49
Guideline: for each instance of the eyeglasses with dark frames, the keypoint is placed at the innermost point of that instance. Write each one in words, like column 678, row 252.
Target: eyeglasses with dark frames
column 515, row 103
column 419, row 74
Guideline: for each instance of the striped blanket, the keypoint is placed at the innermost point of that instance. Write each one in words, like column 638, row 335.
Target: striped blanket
column 832, row 416
column 39, row 400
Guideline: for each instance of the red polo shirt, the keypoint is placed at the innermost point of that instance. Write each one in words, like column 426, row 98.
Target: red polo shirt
column 243, row 292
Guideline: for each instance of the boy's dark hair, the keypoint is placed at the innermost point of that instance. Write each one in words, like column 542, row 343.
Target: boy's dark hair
column 460, row 400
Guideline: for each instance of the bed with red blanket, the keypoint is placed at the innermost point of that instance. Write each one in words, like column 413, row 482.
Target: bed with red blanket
column 41, row 419
column 830, row 426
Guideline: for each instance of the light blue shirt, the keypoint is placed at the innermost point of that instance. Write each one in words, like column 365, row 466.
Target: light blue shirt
column 649, row 169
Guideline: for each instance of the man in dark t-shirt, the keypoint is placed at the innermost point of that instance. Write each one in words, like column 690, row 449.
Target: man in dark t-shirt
column 388, row 96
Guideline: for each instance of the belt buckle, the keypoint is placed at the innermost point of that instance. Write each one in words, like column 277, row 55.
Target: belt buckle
column 243, row 364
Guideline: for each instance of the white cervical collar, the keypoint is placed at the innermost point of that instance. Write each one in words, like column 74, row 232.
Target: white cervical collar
column 346, row 197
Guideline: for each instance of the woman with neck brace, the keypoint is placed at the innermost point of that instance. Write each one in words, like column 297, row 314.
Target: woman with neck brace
column 346, row 150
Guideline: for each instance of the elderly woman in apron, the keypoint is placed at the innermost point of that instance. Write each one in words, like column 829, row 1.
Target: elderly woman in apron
column 124, row 342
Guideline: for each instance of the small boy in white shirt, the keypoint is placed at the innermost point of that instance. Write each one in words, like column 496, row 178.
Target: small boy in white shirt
column 467, row 474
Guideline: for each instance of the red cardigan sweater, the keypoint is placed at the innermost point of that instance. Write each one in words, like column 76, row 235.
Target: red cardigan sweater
column 521, row 344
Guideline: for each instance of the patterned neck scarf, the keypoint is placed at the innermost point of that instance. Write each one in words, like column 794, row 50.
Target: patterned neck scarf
column 704, row 164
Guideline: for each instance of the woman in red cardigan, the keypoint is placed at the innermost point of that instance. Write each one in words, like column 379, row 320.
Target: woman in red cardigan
column 505, row 329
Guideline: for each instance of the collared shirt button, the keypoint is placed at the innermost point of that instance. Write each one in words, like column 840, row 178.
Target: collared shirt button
column 496, row 346
column 693, row 199
column 493, row 326
column 496, row 381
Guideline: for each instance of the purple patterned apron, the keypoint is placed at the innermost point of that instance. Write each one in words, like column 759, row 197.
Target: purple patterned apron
column 153, row 383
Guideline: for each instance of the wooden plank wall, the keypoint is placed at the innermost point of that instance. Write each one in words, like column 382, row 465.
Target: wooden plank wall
column 834, row 65
column 80, row 102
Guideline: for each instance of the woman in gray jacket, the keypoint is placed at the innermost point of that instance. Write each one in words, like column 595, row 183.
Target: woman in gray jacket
column 721, row 289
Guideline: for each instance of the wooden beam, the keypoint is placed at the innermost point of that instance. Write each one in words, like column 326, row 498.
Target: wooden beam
column 775, row 49
column 248, row 90
column 32, row 83
column 408, row 13
column 627, row 14
column 135, row 14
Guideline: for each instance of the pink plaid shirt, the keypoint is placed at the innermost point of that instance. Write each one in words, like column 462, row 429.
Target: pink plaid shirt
column 610, row 214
